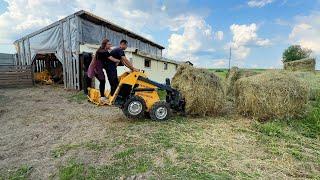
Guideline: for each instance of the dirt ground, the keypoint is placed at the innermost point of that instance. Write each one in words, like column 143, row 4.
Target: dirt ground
column 56, row 134
column 35, row 121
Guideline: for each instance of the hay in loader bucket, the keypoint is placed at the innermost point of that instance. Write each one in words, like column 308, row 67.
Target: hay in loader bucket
column 202, row 90
column 233, row 75
column 272, row 95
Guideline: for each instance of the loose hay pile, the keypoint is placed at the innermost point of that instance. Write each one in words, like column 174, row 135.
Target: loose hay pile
column 269, row 95
column 233, row 75
column 308, row 64
column 201, row 89
column 43, row 77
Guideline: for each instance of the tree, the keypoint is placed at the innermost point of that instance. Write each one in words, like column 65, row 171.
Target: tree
column 295, row 52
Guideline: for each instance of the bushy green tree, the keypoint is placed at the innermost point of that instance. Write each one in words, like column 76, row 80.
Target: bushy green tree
column 295, row 52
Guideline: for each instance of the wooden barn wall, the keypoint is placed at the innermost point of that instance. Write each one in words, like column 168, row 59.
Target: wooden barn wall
column 15, row 76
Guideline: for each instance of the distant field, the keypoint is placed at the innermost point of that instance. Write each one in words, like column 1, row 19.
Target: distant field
column 222, row 73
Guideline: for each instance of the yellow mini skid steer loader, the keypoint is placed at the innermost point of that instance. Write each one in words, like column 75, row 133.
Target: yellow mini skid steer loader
column 138, row 96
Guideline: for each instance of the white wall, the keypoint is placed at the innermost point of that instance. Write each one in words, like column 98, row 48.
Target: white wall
column 156, row 72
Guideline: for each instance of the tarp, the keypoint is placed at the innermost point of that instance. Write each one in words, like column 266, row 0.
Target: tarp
column 93, row 34
column 48, row 41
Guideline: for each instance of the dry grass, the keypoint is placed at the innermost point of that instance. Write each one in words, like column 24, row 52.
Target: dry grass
column 202, row 90
column 272, row 95
column 51, row 134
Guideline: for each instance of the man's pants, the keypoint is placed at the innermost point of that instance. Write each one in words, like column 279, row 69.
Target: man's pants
column 86, row 83
column 112, row 74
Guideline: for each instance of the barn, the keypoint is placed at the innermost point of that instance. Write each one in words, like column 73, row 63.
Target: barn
column 58, row 47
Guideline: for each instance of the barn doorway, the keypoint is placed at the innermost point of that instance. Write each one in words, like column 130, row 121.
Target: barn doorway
column 47, row 70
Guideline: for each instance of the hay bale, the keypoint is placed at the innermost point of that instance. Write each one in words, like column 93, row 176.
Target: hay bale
column 313, row 79
column 201, row 89
column 271, row 94
column 307, row 64
column 42, row 76
column 233, row 75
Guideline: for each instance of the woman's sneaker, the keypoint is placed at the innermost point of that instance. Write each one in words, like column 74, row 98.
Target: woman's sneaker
column 103, row 100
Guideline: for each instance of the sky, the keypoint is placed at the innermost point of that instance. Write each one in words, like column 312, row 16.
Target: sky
column 201, row 31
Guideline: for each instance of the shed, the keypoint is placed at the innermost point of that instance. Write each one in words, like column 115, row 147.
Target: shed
column 64, row 39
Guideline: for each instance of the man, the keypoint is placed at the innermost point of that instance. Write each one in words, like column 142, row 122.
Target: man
column 87, row 58
column 111, row 68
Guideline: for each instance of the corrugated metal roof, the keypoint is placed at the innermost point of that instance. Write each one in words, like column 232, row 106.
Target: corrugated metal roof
column 97, row 20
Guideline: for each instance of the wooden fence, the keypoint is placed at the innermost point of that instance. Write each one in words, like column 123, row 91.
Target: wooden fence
column 15, row 76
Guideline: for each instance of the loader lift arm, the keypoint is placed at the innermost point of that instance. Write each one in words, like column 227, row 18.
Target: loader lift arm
column 174, row 98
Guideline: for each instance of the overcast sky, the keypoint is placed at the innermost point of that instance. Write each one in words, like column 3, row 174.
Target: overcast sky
column 201, row 31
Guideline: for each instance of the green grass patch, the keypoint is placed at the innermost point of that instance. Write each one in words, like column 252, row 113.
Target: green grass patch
column 163, row 138
column 195, row 171
column 17, row 174
column 162, row 94
column 121, row 168
column 313, row 79
column 222, row 73
column 73, row 170
column 3, row 97
column 91, row 145
column 292, row 136
column 3, row 100
column 62, row 150
column 310, row 125
column 124, row 154
column 78, row 97
column 96, row 146
column 297, row 153
column 273, row 129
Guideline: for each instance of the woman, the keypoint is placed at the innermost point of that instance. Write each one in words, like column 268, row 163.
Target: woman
column 99, row 60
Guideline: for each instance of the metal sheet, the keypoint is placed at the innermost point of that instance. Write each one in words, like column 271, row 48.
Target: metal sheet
column 93, row 34
column 74, row 33
column 27, row 51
